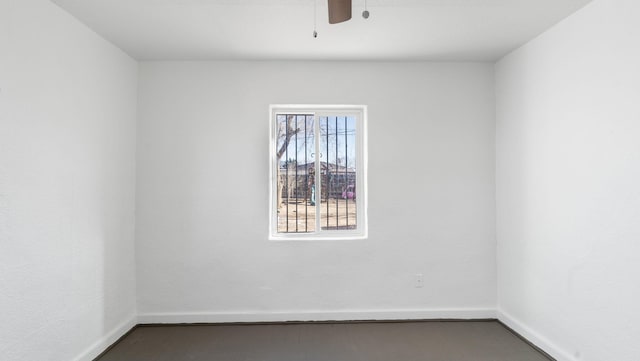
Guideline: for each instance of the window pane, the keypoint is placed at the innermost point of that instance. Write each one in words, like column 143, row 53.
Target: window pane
column 295, row 179
column 338, row 209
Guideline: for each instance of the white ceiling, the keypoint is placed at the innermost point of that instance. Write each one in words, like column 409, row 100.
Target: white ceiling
column 460, row 30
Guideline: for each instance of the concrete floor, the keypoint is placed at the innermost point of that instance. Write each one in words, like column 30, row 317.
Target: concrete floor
column 402, row 341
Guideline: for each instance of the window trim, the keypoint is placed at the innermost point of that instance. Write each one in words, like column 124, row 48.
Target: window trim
column 360, row 112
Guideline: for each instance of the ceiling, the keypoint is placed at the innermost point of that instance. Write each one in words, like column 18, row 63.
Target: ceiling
column 452, row 30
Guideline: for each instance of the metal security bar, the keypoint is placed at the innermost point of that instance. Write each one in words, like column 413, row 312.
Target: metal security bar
column 295, row 182
column 338, row 178
column 300, row 155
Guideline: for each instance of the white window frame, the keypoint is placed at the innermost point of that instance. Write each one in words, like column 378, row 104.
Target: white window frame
column 360, row 114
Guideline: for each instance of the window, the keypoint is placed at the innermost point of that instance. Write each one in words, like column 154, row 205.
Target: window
column 318, row 172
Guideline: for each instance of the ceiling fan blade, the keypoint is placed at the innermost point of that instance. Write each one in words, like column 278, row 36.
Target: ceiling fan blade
column 339, row 11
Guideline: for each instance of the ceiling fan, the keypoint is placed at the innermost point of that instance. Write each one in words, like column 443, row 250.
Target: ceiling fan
column 340, row 10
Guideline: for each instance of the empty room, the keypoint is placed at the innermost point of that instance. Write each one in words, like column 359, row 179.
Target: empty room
column 319, row 180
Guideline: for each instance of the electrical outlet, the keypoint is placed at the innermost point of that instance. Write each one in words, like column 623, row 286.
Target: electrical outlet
column 419, row 280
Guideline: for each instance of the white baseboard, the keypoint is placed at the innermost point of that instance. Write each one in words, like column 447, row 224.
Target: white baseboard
column 534, row 337
column 339, row 315
column 107, row 340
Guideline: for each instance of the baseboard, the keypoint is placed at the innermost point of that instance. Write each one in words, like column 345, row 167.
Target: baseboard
column 340, row 315
column 107, row 340
column 535, row 338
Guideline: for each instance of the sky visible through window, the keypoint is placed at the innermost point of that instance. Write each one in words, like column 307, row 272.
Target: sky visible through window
column 301, row 146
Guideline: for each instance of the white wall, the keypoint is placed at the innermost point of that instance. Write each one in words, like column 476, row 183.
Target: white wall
column 202, row 194
column 67, row 168
column 568, row 176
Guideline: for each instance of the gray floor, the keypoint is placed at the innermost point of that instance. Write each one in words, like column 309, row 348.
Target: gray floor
column 403, row 341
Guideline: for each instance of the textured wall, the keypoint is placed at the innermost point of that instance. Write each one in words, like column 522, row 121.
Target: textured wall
column 67, row 168
column 203, row 180
column 568, row 156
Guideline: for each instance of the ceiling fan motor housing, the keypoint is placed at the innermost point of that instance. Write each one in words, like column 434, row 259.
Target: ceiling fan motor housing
column 339, row 11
